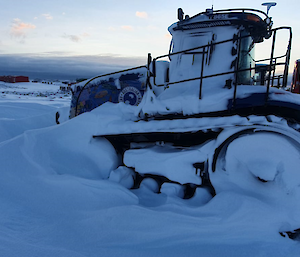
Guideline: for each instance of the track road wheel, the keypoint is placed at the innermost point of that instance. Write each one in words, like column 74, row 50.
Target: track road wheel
column 150, row 183
column 172, row 189
column 258, row 162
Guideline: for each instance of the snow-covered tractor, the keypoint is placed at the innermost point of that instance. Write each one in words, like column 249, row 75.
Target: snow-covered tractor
column 208, row 115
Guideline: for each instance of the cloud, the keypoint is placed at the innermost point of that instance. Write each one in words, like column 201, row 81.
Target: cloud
column 85, row 34
column 112, row 28
column 19, row 28
column 47, row 16
column 73, row 38
column 142, row 15
column 56, row 65
column 127, row 27
column 152, row 28
column 76, row 38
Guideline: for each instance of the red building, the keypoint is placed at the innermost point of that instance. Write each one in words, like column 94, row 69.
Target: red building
column 14, row 79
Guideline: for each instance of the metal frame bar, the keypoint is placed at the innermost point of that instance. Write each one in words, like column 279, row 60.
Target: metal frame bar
column 201, row 74
column 270, row 68
column 242, row 10
column 104, row 75
column 237, row 70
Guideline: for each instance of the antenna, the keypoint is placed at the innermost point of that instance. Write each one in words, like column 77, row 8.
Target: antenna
column 269, row 5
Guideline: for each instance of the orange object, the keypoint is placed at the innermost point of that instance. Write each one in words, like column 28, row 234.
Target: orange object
column 295, row 86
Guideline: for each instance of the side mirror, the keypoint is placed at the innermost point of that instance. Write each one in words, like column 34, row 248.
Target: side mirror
column 180, row 14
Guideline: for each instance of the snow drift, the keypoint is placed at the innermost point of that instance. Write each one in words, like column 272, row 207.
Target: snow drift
column 62, row 195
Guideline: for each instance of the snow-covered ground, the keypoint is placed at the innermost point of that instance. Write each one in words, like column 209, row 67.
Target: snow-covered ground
column 61, row 193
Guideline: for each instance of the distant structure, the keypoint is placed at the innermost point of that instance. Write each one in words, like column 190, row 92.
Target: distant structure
column 14, row 79
column 66, row 87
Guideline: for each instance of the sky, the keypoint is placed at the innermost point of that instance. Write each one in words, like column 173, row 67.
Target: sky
column 86, row 38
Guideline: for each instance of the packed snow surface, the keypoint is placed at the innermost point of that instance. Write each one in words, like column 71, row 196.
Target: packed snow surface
column 63, row 194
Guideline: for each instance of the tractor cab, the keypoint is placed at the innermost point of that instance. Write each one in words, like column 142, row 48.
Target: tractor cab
column 222, row 41
column 217, row 47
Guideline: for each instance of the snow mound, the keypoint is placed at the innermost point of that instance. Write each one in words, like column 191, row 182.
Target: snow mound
column 62, row 193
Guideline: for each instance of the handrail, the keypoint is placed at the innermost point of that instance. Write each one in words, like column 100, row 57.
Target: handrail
column 273, row 62
column 188, row 50
column 288, row 56
column 236, row 71
column 216, row 75
column 242, row 10
column 103, row 75
column 198, row 47
column 112, row 73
